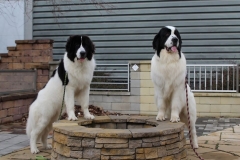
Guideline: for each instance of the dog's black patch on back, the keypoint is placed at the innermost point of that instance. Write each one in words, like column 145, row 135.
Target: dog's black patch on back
column 54, row 72
column 62, row 72
column 74, row 43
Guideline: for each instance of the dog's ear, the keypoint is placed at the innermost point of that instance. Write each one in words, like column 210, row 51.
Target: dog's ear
column 180, row 42
column 91, row 48
column 70, row 49
column 68, row 44
column 157, row 46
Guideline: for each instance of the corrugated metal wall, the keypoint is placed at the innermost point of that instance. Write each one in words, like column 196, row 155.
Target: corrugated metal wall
column 210, row 28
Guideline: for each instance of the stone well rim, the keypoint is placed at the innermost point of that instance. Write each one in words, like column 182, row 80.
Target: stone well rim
column 78, row 129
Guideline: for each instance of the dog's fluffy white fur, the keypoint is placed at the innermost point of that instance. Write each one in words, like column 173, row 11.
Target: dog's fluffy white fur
column 168, row 72
column 46, row 108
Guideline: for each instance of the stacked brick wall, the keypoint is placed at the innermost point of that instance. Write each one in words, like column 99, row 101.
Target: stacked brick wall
column 15, row 106
column 26, row 55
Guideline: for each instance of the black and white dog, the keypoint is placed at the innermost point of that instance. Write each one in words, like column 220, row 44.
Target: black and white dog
column 168, row 71
column 79, row 64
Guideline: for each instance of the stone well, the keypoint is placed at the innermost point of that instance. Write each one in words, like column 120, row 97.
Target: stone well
column 118, row 137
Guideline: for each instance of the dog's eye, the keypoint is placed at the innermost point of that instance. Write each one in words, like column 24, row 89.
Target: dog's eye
column 77, row 45
column 167, row 34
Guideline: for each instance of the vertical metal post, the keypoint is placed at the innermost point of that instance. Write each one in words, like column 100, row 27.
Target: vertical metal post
column 205, row 85
column 211, row 79
column 189, row 75
column 194, row 77
column 200, row 72
column 128, row 77
column 222, row 77
column 228, row 79
column 216, row 78
column 237, row 79
column 233, row 78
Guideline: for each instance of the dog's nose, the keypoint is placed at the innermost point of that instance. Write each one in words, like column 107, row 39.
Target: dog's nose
column 82, row 53
column 174, row 40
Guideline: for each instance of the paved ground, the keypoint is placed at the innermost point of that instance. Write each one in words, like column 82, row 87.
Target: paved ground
column 222, row 141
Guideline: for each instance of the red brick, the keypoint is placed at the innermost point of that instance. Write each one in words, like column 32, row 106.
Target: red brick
column 24, row 46
column 15, row 53
column 32, row 53
column 31, row 65
column 18, row 65
column 6, row 59
column 42, row 46
column 3, row 113
column 42, row 72
column 40, row 86
column 7, row 119
column 46, row 72
column 42, row 59
column 46, row 52
column 22, row 59
column 45, row 41
column 10, row 65
column 17, row 117
column 28, row 102
column 39, row 72
column 7, row 104
column 3, row 65
column 42, row 79
column 13, row 111
column 11, row 48
column 25, row 41
column 24, row 109
column 18, row 103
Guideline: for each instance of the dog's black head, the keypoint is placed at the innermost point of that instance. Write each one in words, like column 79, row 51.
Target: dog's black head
column 168, row 38
column 80, row 47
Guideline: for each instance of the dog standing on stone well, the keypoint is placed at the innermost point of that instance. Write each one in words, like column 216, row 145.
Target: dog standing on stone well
column 79, row 64
column 168, row 72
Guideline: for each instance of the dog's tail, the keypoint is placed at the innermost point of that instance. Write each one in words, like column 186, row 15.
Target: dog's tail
column 30, row 122
column 28, row 127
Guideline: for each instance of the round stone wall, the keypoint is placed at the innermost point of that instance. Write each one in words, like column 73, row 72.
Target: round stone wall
column 118, row 137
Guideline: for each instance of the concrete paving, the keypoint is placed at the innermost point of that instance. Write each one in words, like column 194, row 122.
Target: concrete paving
column 219, row 138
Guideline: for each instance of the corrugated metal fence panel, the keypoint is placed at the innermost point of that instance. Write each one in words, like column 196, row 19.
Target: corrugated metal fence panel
column 124, row 31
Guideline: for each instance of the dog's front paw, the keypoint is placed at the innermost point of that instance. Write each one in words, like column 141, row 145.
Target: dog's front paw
column 89, row 116
column 48, row 147
column 160, row 117
column 174, row 119
column 34, row 150
column 72, row 117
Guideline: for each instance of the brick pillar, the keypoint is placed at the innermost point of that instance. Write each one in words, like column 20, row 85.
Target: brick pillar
column 30, row 54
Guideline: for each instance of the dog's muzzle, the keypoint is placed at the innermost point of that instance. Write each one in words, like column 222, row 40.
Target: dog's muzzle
column 83, row 55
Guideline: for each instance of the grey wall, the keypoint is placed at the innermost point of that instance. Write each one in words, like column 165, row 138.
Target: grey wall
column 210, row 28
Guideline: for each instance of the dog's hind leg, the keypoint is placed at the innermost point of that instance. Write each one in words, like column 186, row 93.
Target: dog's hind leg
column 35, row 133
column 45, row 135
